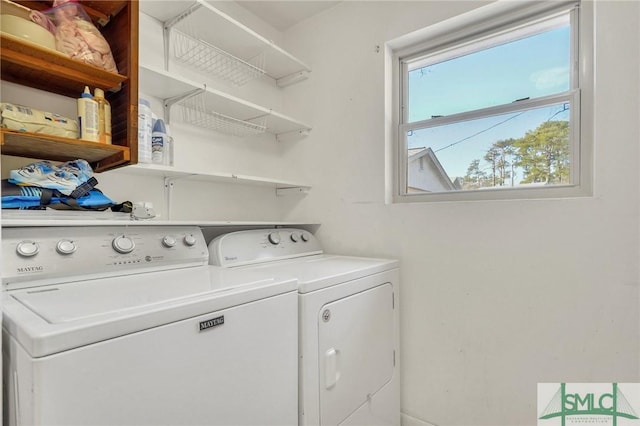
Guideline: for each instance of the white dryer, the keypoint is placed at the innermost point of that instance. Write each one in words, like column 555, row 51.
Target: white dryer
column 129, row 325
column 348, row 323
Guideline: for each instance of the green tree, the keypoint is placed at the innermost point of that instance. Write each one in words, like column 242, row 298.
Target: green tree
column 506, row 163
column 493, row 157
column 543, row 153
column 500, row 158
column 475, row 177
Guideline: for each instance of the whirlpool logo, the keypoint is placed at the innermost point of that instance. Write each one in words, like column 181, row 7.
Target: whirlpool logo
column 590, row 404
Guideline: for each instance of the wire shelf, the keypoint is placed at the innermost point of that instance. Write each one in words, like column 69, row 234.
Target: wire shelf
column 196, row 113
column 206, row 57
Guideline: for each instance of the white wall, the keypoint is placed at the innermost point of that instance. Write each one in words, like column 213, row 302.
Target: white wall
column 498, row 295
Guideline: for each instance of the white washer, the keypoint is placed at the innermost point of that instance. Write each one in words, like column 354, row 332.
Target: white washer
column 129, row 325
column 348, row 323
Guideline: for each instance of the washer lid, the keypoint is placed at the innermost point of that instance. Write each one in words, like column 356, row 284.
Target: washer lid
column 84, row 300
column 53, row 318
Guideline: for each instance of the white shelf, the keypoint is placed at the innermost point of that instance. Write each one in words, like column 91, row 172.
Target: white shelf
column 59, row 221
column 175, row 174
column 164, row 85
column 219, row 29
column 31, row 218
column 207, row 39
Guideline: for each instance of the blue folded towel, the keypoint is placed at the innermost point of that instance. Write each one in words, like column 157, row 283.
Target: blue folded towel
column 73, row 178
column 29, row 197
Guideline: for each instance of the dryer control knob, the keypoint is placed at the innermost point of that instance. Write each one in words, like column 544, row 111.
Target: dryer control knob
column 27, row 248
column 274, row 238
column 304, row 237
column 294, row 237
column 190, row 240
column 123, row 244
column 168, row 241
column 66, row 247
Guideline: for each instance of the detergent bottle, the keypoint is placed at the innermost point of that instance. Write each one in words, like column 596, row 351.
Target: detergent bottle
column 104, row 117
column 88, row 117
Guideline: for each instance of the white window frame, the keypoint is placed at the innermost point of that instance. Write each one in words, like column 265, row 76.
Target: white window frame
column 451, row 38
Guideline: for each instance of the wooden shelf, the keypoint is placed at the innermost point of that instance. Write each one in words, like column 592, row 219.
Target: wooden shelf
column 34, row 66
column 31, row 65
column 33, row 145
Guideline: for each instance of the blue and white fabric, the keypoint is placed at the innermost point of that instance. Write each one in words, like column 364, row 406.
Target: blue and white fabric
column 73, row 178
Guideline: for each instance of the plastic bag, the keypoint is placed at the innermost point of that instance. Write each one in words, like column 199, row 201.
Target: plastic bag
column 75, row 35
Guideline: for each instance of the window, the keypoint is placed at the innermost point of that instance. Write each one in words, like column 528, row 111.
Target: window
column 493, row 107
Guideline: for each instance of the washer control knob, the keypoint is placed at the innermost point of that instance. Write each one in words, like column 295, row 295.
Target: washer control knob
column 304, row 237
column 27, row 248
column 168, row 241
column 190, row 240
column 123, row 244
column 66, row 247
column 274, row 238
column 294, row 238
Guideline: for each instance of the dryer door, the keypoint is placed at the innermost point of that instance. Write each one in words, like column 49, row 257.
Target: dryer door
column 356, row 351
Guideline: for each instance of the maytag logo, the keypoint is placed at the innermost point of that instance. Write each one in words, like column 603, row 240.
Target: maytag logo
column 30, row 269
column 576, row 404
column 213, row 322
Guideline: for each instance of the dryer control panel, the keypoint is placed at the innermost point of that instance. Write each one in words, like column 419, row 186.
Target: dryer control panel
column 262, row 245
column 60, row 254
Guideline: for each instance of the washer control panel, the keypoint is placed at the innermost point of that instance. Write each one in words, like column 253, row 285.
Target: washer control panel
column 261, row 245
column 69, row 253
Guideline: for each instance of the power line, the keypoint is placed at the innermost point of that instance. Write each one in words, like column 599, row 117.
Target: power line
column 480, row 132
column 564, row 108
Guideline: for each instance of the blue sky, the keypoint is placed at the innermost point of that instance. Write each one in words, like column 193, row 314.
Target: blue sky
column 532, row 67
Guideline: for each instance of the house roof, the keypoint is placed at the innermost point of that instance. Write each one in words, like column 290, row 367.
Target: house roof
column 416, row 153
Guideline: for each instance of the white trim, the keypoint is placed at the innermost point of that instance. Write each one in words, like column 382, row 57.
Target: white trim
column 495, row 16
column 585, row 70
column 491, row 111
column 505, row 35
column 483, row 20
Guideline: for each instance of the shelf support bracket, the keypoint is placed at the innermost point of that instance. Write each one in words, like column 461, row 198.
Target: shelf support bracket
column 168, row 24
column 296, row 190
column 292, row 136
column 168, row 192
column 169, row 102
column 294, row 78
